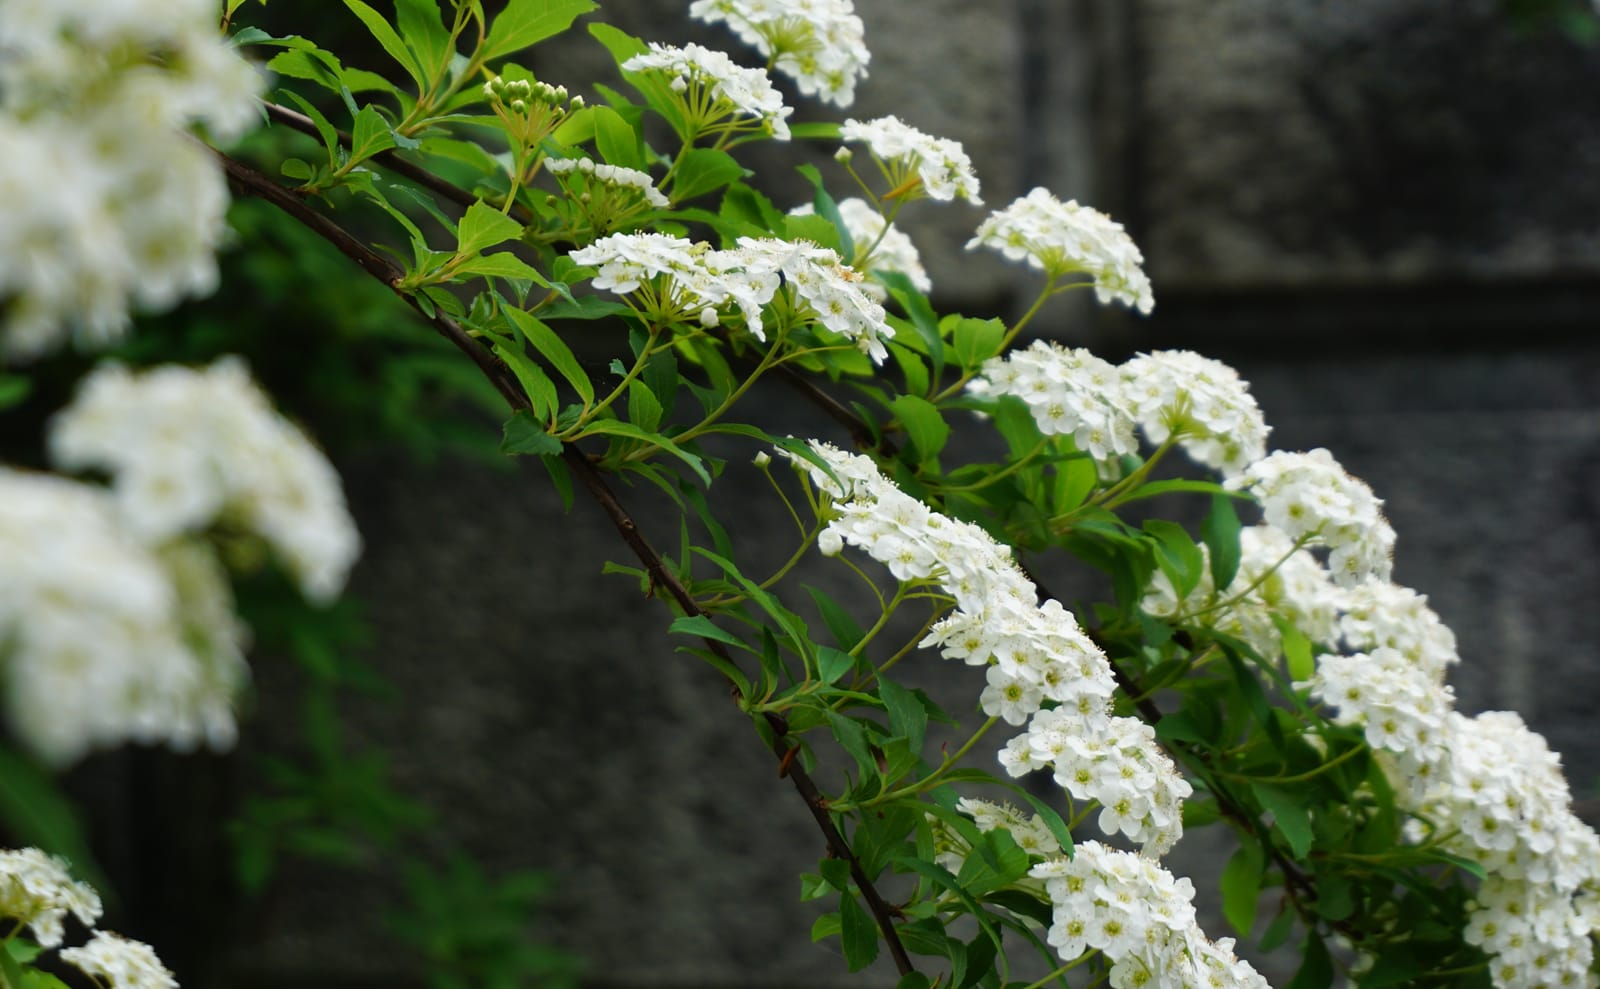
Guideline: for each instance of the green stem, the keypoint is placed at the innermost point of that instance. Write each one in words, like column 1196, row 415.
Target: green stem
column 1005, row 341
column 1299, row 544
column 1063, row 970
column 912, row 789
column 1004, row 472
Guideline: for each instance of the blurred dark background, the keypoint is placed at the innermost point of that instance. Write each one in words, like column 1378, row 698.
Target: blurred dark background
column 1385, row 213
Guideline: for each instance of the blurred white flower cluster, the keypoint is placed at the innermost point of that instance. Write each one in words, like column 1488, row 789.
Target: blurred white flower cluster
column 819, row 43
column 716, row 88
column 1066, row 238
column 110, row 204
column 1033, row 653
column 37, row 891
column 880, row 246
column 915, row 164
column 1201, row 403
column 1309, row 496
column 116, row 613
column 673, row 278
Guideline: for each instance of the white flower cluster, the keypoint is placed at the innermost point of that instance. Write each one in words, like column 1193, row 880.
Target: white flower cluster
column 1169, row 393
column 1140, row 917
column 1066, row 238
column 914, row 161
column 188, row 448
column 819, row 43
column 1035, row 654
column 1308, row 495
column 735, row 89
column 1273, row 578
column 892, row 250
column 702, row 281
column 108, row 640
column 1492, row 786
column 108, row 203
column 616, row 176
column 36, row 890
column 1031, row 834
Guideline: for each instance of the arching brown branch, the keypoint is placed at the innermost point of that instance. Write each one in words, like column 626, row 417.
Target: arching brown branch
column 251, row 182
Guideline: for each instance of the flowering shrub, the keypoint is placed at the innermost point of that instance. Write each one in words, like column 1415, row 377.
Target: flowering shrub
column 1267, row 678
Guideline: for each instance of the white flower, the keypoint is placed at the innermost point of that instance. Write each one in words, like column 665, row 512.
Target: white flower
column 37, row 890
column 187, row 448
column 892, row 250
column 1204, row 403
column 1308, row 495
column 736, row 89
column 109, row 641
column 1065, row 238
column 914, row 161
column 820, row 43
column 1068, row 391
column 828, row 288
column 109, row 205
column 117, row 962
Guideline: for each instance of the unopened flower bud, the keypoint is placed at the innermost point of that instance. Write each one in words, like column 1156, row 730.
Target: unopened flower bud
column 519, row 106
column 843, row 156
column 829, row 542
column 679, row 84
column 708, row 317
column 577, row 103
column 762, row 460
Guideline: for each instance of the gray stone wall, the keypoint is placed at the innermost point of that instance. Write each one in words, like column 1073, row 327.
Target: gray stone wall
column 1384, row 213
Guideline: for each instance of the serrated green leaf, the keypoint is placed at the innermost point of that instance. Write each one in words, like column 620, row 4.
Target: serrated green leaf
column 618, row 142
column 704, row 170
column 644, row 409
column 422, row 31
column 370, row 134
column 523, row 434
column 1176, row 554
column 907, row 719
column 921, row 314
column 1290, row 815
column 503, row 264
column 325, row 129
column 1220, row 532
column 852, row 738
column 1296, row 650
column 825, row 926
column 974, row 340
column 528, row 22
column 552, row 348
column 829, row 210
column 484, row 226
column 925, row 426
column 386, row 36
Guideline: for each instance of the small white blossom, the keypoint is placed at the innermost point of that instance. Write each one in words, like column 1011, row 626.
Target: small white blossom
column 1308, row 495
column 914, row 161
column 37, row 890
column 894, row 251
column 738, row 90
column 819, row 43
column 117, row 962
column 1202, row 402
column 1068, row 391
column 1066, row 238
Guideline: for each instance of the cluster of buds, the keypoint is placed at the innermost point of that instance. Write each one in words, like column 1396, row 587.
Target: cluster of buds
column 531, row 110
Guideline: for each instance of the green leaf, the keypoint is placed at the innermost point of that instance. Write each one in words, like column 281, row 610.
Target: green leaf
column 552, row 348
column 833, row 663
column 386, row 36
column 617, row 140
column 852, row 738
column 844, row 629
column 1220, row 531
column 1296, row 649
column 907, row 718
column 825, row 926
column 914, row 980
column 857, row 933
column 503, row 264
column 528, row 22
column 974, row 340
column 705, row 628
column 1052, row 820
column 14, row 389
column 619, row 43
column 1290, row 815
column 941, row 877
column 1241, row 886
column 829, row 210
column 742, row 204
column 329, row 133
column 919, row 312
column 616, row 427
column 924, row 425
column 525, row 434
column 423, row 33
column 1316, row 971
column 704, row 170
column 484, row 226
column 1074, row 480
column 370, row 135
column 1176, row 554
column 996, row 861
